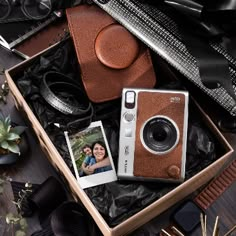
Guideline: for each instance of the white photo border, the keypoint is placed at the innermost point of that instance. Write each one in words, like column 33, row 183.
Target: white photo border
column 98, row 178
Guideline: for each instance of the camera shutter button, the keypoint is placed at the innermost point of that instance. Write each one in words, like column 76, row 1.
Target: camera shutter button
column 173, row 171
column 129, row 117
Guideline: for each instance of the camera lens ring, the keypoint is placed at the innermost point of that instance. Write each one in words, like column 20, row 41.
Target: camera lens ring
column 158, row 144
column 32, row 15
column 8, row 11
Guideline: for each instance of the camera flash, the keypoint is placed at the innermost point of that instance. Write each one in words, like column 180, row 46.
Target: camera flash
column 130, row 99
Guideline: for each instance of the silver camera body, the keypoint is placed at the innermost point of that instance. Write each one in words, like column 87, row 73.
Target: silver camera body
column 153, row 135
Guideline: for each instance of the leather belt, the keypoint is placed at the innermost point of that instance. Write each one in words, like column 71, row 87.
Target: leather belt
column 66, row 96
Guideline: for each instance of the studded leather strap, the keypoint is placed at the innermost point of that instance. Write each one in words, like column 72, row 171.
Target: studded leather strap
column 219, row 185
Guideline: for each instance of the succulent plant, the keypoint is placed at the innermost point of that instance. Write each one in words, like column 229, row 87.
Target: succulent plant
column 9, row 135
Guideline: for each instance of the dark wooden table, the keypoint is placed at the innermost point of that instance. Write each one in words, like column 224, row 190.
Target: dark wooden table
column 35, row 168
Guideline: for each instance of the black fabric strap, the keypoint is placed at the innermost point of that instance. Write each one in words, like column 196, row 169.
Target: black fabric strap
column 71, row 219
column 213, row 67
column 55, row 85
column 48, row 196
column 66, row 96
column 199, row 25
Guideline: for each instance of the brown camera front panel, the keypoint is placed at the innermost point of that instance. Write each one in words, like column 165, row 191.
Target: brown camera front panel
column 147, row 164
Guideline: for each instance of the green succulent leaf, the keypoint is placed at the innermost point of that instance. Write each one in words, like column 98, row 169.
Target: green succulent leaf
column 13, row 147
column 2, row 128
column 23, row 223
column 20, row 233
column 2, row 138
column 8, row 120
column 4, row 145
column 9, row 134
column 12, row 136
column 7, row 123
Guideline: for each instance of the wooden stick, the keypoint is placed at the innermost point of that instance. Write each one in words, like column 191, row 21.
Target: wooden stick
column 177, row 231
column 215, row 226
column 202, row 224
column 205, row 225
column 230, row 231
column 165, row 232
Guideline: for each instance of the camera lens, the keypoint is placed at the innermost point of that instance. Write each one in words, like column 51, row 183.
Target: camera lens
column 37, row 9
column 159, row 134
column 4, row 9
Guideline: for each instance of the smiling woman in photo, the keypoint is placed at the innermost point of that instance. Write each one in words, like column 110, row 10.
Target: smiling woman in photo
column 99, row 161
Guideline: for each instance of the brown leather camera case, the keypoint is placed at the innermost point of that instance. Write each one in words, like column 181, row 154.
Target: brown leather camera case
column 110, row 57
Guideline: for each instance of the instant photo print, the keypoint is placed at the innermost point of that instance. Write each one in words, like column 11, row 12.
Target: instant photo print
column 91, row 156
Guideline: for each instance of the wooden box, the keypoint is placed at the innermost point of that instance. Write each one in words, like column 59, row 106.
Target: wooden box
column 142, row 216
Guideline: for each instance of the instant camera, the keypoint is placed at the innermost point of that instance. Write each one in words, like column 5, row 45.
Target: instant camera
column 153, row 135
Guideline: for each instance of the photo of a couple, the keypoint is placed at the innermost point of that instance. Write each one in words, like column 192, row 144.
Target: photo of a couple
column 96, row 159
column 91, row 155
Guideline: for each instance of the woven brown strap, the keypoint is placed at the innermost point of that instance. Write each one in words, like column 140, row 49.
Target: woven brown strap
column 216, row 187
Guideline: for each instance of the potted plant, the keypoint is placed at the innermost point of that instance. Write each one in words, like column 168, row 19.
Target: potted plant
column 13, row 141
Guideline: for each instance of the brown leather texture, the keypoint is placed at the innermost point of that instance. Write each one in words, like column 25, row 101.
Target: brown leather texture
column 147, row 164
column 110, row 57
column 48, row 36
column 217, row 187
